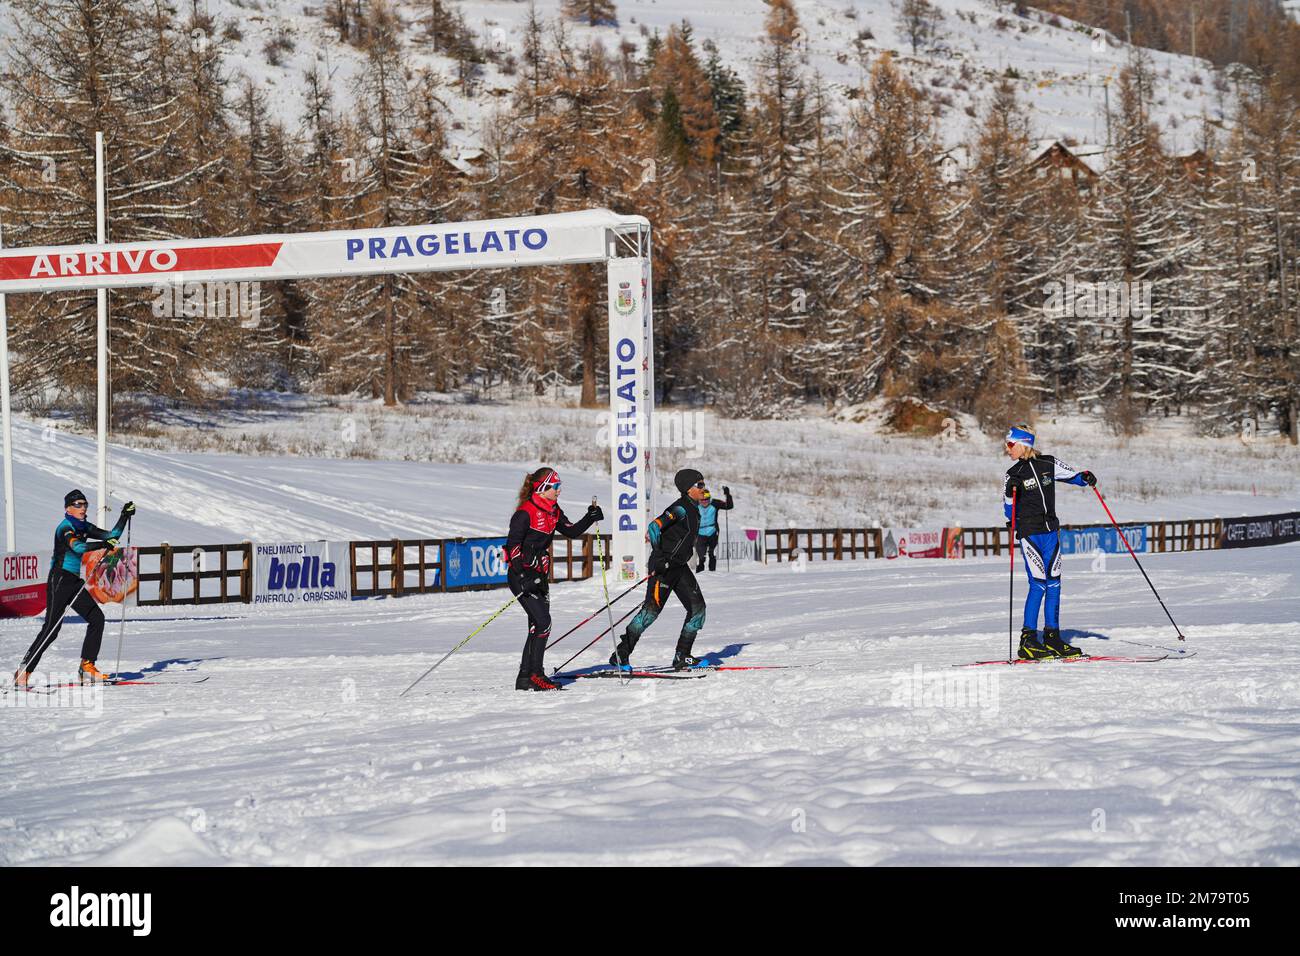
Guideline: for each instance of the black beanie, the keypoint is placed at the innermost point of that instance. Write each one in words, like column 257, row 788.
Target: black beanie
column 686, row 478
column 73, row 495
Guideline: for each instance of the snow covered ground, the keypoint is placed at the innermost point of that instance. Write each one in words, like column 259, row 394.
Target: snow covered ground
column 298, row 750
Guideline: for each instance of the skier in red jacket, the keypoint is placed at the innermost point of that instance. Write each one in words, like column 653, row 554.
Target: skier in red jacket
column 528, row 554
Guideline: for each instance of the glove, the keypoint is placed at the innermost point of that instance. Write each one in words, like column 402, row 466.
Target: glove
column 595, row 514
column 658, row 565
column 1089, row 478
column 112, row 544
column 128, row 509
column 726, row 491
column 532, row 584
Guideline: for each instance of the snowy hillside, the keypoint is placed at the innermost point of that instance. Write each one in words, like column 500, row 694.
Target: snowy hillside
column 297, row 749
column 1062, row 69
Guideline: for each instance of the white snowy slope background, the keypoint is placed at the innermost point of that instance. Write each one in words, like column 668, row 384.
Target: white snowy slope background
column 297, row 748
column 1059, row 67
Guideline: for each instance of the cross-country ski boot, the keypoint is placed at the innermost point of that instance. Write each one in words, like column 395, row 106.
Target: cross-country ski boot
column 90, row 674
column 1052, row 641
column 22, row 679
column 682, row 662
column 536, row 682
column 682, row 659
column 1031, row 649
column 622, row 656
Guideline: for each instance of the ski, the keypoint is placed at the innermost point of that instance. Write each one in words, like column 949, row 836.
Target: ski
column 640, row 675
column 114, row 682
column 1071, row 660
column 738, row 667
column 761, row 667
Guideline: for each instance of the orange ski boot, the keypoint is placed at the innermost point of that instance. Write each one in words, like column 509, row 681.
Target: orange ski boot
column 90, row 674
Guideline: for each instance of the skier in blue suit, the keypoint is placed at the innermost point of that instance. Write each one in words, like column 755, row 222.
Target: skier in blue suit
column 706, row 542
column 1031, row 490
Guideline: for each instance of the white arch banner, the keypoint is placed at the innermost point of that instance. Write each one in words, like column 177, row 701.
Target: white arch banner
column 560, row 239
column 592, row 235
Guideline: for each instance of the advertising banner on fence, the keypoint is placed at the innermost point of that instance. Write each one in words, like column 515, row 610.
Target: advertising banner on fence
column 22, row 585
column 1260, row 530
column 301, row 572
column 922, row 543
column 1103, row 538
column 475, row 561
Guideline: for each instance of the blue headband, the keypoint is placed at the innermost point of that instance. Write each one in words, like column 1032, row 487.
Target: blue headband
column 1021, row 436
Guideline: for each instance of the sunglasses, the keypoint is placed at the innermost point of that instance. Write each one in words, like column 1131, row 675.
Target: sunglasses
column 77, row 504
column 699, row 484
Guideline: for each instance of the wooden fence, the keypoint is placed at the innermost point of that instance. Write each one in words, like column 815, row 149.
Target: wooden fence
column 838, row 544
column 220, row 573
column 174, row 574
column 397, row 567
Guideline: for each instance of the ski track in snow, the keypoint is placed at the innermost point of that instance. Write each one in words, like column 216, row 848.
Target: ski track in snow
column 278, row 759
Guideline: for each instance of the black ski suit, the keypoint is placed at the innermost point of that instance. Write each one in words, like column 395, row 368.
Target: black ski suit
column 64, row 588
column 672, row 539
column 528, row 555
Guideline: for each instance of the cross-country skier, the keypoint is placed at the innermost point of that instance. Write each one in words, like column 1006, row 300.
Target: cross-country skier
column 1031, row 482
column 65, row 588
column 672, row 540
column 706, row 542
column 528, row 554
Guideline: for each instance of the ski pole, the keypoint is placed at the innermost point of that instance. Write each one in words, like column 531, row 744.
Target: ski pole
column 1124, row 538
column 1011, row 586
column 122, row 633
column 595, row 612
column 499, row 612
column 605, row 585
column 726, row 516
column 596, row 638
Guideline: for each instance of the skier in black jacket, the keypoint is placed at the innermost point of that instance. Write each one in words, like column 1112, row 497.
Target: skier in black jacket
column 672, row 544
column 528, row 554
column 1030, row 493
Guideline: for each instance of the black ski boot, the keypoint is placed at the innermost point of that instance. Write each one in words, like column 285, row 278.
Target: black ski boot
column 621, row 658
column 1031, row 649
column 535, row 682
column 1052, row 641
column 682, row 659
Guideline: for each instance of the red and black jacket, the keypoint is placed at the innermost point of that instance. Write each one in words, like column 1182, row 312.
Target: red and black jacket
column 528, row 545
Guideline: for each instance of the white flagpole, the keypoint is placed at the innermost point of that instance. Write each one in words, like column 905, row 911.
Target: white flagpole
column 7, row 426
column 101, row 509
